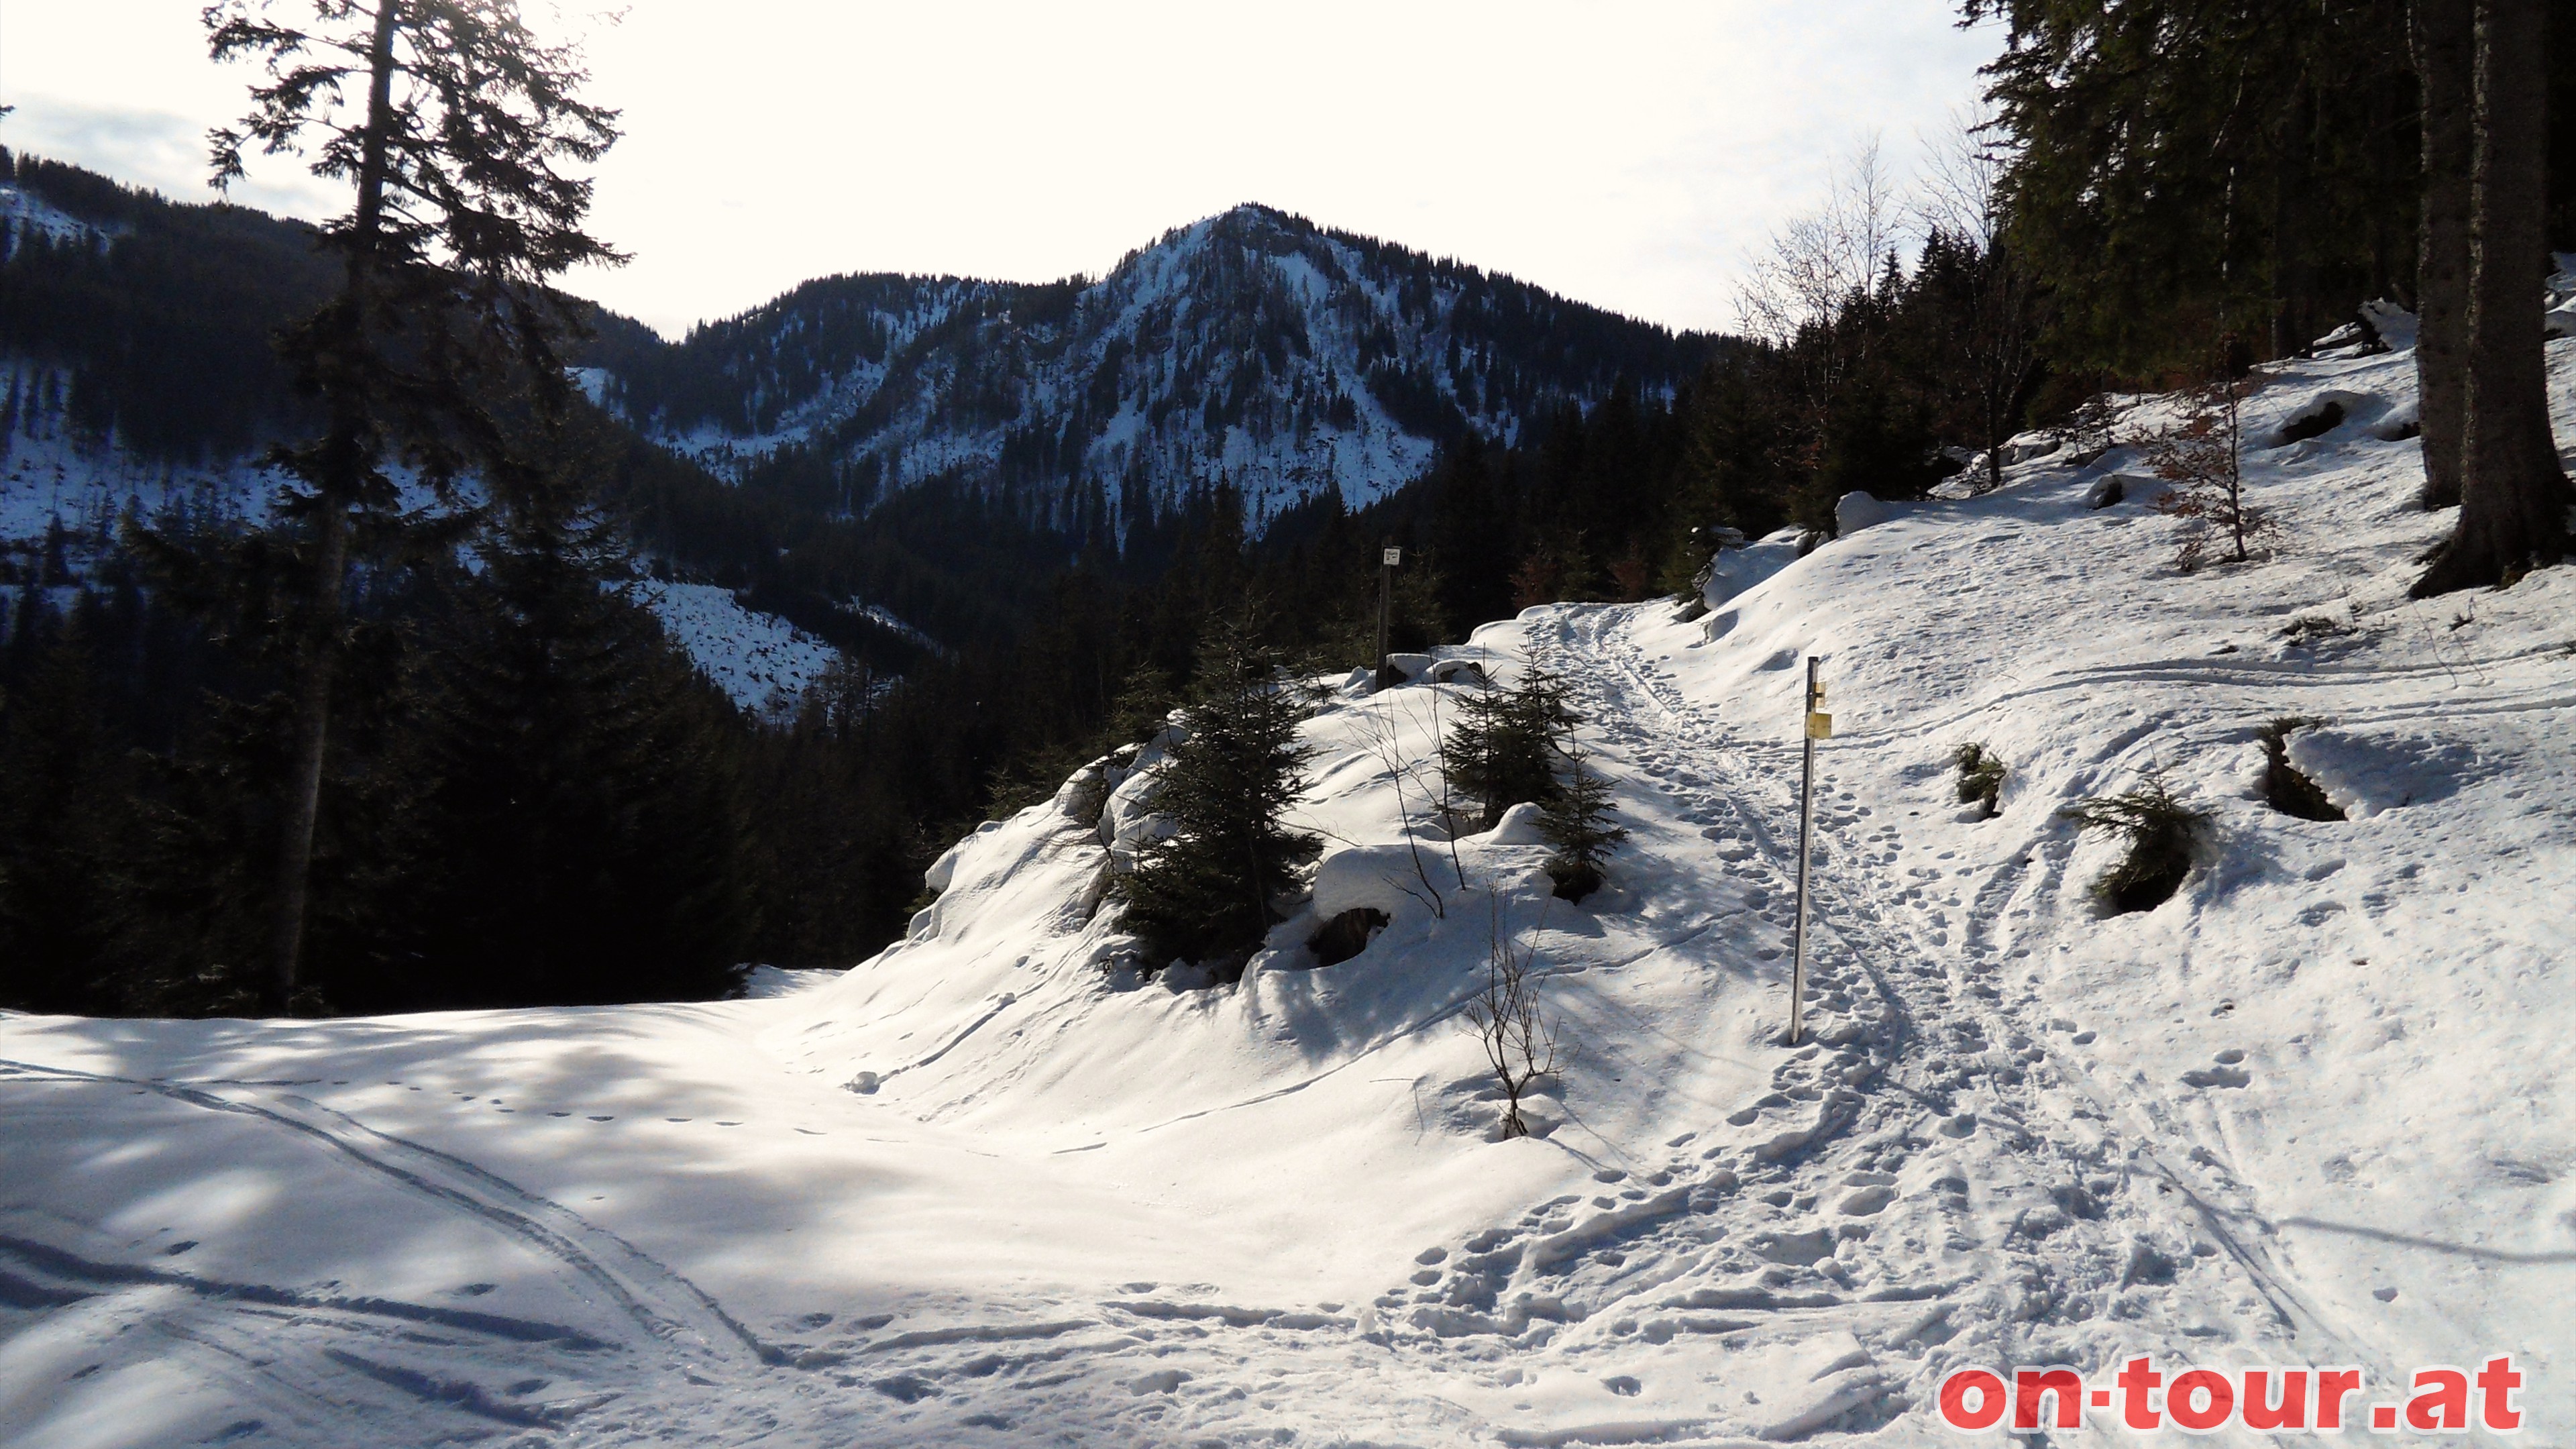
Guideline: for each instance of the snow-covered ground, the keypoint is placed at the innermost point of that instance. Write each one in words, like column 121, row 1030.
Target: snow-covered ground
column 989, row 1188
column 25, row 216
column 763, row 662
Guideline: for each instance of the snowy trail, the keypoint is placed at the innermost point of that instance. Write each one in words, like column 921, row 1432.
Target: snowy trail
column 651, row 1297
column 1934, row 1049
column 1939, row 1178
column 319, row 1358
column 1921, row 1073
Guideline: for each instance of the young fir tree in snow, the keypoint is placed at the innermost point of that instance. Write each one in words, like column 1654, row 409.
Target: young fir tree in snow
column 1503, row 751
column 1576, row 820
column 1206, row 893
column 450, row 123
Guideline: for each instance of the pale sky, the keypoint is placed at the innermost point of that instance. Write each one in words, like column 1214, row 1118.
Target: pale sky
column 1630, row 155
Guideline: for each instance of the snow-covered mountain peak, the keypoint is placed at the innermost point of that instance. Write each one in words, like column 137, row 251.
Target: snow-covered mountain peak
column 1250, row 349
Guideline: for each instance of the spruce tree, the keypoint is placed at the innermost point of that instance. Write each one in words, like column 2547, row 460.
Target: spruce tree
column 1504, row 748
column 1207, row 894
column 58, row 789
column 2187, row 168
column 1577, row 822
column 2513, row 493
column 451, row 125
column 579, row 836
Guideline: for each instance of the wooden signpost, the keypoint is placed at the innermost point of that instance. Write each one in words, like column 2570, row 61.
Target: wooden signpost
column 1387, row 560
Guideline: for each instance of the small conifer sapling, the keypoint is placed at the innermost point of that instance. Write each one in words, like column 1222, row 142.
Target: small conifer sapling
column 1207, row 893
column 1577, row 822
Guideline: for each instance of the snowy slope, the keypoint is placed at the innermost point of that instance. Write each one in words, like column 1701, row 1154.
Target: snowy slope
column 991, row 1188
column 762, row 662
column 26, row 216
column 48, row 477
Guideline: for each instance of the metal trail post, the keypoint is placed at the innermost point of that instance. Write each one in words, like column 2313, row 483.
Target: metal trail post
column 1817, row 726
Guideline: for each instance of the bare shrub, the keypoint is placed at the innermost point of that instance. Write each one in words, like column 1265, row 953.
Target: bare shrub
column 2203, row 456
column 1518, row 1036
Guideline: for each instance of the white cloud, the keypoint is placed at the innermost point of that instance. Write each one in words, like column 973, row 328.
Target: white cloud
column 1624, row 154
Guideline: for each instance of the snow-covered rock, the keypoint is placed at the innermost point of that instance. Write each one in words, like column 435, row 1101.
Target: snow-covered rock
column 1399, row 880
column 2394, row 325
column 1520, row 825
column 1731, row 571
column 1409, row 667
column 1855, row 511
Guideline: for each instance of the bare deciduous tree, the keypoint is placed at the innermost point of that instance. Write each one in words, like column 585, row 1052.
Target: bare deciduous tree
column 1414, row 775
column 1994, row 329
column 1518, row 1036
column 2203, row 457
column 1801, row 287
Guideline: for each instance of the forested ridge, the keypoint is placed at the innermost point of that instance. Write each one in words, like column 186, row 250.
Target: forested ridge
column 1252, row 350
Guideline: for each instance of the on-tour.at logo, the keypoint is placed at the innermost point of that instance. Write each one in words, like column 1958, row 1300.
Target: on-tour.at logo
column 2440, row 1400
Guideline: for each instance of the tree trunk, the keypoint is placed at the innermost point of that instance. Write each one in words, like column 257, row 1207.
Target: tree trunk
column 314, row 667
column 2445, row 69
column 348, row 456
column 2513, row 494
column 2293, row 286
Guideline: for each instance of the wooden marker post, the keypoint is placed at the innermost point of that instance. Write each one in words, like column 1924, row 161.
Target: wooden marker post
column 1387, row 560
column 1819, row 726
